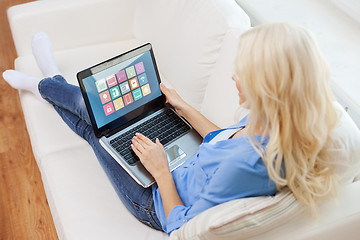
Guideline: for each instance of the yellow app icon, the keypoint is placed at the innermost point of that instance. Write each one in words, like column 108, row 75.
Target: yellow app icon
column 118, row 103
column 146, row 89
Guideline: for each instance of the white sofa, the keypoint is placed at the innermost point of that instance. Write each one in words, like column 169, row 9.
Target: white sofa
column 195, row 44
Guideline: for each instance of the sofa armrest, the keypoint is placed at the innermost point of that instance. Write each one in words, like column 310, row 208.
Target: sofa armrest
column 70, row 23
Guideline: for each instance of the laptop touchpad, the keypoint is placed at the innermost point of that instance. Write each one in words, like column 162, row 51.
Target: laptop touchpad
column 175, row 154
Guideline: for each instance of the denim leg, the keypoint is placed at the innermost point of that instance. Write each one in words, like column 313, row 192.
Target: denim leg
column 58, row 92
column 66, row 100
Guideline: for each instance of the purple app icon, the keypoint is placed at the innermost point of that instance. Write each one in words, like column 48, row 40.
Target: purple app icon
column 121, row 76
column 139, row 67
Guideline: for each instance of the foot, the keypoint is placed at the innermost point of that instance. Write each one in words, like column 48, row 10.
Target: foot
column 43, row 53
column 19, row 80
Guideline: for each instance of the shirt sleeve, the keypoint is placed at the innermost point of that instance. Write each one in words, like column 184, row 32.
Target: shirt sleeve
column 228, row 182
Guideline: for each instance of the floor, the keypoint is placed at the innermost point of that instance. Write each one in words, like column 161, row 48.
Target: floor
column 24, row 211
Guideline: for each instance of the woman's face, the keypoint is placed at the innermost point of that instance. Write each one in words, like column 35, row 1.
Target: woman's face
column 242, row 98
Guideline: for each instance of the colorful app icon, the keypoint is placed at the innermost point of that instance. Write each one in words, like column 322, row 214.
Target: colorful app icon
column 134, row 83
column 101, row 85
column 118, row 103
column 145, row 89
column 124, row 87
column 128, row 99
column 142, row 79
column 105, row 97
column 139, row 67
column 121, row 76
column 115, row 92
column 137, row 94
column 108, row 108
column 111, row 80
column 130, row 72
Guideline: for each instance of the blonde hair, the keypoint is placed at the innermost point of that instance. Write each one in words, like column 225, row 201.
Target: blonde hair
column 284, row 78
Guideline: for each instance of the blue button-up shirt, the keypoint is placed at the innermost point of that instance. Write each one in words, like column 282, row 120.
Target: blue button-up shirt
column 220, row 172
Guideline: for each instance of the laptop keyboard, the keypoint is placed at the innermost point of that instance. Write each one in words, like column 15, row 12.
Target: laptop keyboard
column 166, row 126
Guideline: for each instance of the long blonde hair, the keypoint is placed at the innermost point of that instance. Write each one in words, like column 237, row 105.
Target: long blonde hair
column 284, row 79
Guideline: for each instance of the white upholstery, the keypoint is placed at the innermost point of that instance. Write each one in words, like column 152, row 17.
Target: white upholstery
column 221, row 96
column 72, row 24
column 194, row 44
column 83, row 202
column 188, row 36
column 45, row 136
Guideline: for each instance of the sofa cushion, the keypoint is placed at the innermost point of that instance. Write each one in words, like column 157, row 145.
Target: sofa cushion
column 346, row 149
column 221, row 100
column 241, row 219
column 187, row 37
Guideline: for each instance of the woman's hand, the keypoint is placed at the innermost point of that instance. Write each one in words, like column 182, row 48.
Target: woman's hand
column 152, row 155
column 174, row 99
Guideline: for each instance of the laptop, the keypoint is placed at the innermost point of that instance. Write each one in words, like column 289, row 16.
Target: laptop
column 122, row 96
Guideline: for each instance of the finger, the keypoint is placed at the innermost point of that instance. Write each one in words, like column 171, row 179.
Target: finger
column 136, row 151
column 163, row 87
column 138, row 145
column 165, row 91
column 140, row 140
column 157, row 141
column 144, row 139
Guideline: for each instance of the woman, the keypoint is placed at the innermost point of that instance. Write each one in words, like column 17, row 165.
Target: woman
column 281, row 78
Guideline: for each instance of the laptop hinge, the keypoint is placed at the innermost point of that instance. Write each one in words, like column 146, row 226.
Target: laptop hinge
column 105, row 133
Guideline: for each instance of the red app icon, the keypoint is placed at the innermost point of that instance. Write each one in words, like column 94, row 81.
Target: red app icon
column 109, row 108
column 128, row 98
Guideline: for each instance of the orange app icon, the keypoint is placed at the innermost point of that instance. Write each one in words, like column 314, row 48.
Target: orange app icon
column 105, row 97
column 134, row 83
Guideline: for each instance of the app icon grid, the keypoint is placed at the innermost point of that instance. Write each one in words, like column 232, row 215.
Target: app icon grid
column 123, row 88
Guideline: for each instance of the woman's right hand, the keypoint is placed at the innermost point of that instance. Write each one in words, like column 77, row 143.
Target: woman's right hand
column 174, row 99
column 200, row 123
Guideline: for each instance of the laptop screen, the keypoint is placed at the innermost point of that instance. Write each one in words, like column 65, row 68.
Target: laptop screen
column 116, row 88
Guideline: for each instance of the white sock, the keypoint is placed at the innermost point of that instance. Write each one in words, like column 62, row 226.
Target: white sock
column 42, row 50
column 20, row 80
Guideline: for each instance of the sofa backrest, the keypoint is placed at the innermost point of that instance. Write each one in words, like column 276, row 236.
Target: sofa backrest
column 71, row 23
column 187, row 37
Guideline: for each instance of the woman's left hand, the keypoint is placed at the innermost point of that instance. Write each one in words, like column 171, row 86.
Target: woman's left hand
column 152, row 155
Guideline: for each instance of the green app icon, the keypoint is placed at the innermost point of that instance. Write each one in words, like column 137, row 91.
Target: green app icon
column 137, row 94
column 115, row 92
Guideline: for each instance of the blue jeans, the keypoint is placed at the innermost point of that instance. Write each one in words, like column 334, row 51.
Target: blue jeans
column 68, row 102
